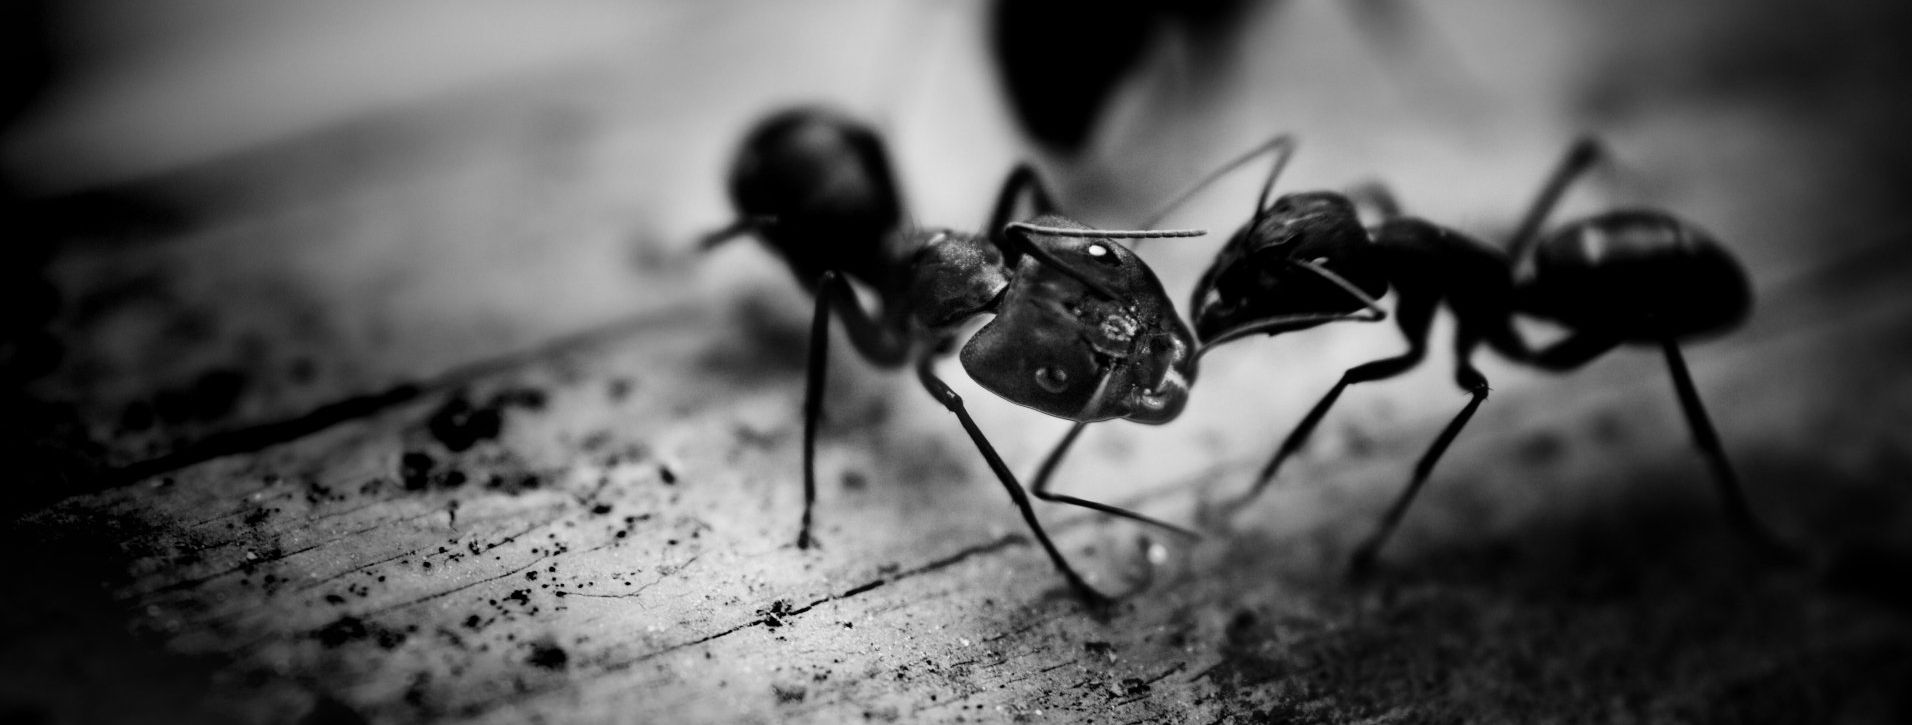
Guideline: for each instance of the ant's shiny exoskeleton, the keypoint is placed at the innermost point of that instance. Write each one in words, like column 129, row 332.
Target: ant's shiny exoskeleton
column 1627, row 276
column 1082, row 328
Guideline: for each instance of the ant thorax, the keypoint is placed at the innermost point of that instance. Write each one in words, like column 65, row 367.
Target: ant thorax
column 952, row 277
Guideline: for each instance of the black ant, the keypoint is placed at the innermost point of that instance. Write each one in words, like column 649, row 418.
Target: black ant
column 1627, row 276
column 1082, row 330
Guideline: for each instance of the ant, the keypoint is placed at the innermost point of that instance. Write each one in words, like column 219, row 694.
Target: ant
column 1083, row 330
column 1630, row 276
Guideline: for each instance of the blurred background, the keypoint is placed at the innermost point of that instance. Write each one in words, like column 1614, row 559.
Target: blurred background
column 222, row 215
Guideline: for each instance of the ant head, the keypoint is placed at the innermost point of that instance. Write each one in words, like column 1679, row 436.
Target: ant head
column 1084, row 331
column 1258, row 278
column 1638, row 274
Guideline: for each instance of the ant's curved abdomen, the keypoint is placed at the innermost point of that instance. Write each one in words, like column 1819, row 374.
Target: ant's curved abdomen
column 1642, row 276
column 818, row 187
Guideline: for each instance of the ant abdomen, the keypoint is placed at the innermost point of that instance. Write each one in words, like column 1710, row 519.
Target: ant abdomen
column 1642, row 276
column 817, row 185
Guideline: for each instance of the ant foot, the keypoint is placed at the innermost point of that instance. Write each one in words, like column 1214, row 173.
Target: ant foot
column 806, row 542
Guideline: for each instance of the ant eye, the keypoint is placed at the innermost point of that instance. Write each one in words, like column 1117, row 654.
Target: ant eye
column 1102, row 254
column 1052, row 379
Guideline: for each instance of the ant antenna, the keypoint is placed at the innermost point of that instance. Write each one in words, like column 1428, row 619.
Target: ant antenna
column 1106, row 233
column 1283, row 145
column 1020, row 231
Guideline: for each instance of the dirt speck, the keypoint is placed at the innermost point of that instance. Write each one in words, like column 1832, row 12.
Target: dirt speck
column 787, row 694
column 341, row 631
column 458, row 425
column 414, row 469
column 548, row 655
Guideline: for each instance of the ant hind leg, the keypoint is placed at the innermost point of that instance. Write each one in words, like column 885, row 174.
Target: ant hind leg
column 1738, row 512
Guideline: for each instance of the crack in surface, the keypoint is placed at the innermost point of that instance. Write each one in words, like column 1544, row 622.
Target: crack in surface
column 260, row 436
column 764, row 619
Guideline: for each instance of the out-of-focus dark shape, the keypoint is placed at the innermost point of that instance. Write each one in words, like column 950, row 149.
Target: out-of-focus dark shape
column 1630, row 276
column 1872, row 570
column 43, row 442
column 1082, row 330
column 1061, row 60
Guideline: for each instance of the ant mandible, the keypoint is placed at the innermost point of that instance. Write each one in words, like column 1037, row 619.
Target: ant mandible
column 1083, row 329
column 1621, row 277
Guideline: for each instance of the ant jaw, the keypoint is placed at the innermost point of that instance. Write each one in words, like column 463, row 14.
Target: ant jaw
column 1159, row 405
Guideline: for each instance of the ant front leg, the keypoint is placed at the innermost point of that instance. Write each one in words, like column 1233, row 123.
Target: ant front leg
column 1040, row 487
column 871, row 340
column 1414, row 313
column 950, row 400
column 1738, row 512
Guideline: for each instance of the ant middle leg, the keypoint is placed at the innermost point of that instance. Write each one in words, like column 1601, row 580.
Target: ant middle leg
column 1414, row 313
column 1469, row 379
column 1040, row 488
column 950, row 400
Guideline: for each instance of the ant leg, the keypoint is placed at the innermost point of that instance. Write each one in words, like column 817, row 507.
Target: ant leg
column 950, row 400
column 869, row 339
column 1471, row 380
column 1282, row 145
column 1414, row 313
column 1579, row 157
column 1021, row 179
column 1040, row 488
column 1738, row 511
